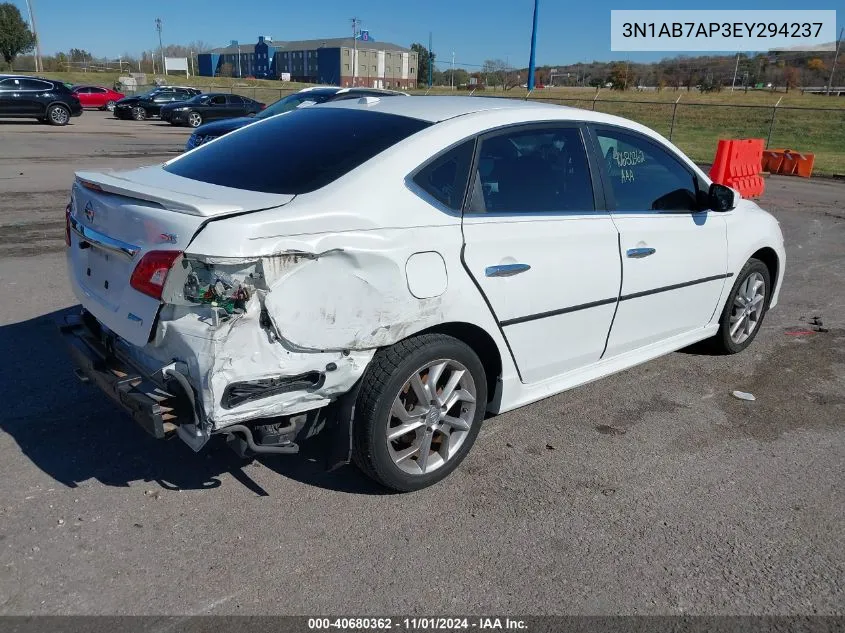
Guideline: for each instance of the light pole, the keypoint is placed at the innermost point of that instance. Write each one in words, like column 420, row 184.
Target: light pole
column 355, row 23
column 531, row 64
column 736, row 68
column 240, row 73
column 39, row 66
column 835, row 58
column 160, row 46
column 452, row 77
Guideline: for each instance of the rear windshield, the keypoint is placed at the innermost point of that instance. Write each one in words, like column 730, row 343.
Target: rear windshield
column 297, row 152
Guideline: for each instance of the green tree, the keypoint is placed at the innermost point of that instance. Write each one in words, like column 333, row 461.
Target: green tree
column 15, row 36
column 423, row 60
column 619, row 76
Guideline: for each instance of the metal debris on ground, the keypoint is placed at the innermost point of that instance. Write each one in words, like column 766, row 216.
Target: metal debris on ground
column 817, row 324
column 743, row 395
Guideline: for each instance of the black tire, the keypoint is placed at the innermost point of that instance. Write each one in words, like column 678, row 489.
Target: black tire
column 722, row 342
column 139, row 113
column 58, row 115
column 388, row 372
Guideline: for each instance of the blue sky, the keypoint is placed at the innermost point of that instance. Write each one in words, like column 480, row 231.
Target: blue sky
column 474, row 29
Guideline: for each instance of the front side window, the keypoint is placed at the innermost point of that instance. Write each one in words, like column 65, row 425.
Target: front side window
column 532, row 170
column 217, row 100
column 295, row 153
column 445, row 178
column 644, row 176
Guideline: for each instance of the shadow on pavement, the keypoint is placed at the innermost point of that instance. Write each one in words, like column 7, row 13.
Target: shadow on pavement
column 74, row 433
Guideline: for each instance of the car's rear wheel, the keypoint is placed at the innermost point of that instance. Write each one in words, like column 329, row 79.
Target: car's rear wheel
column 419, row 411
column 58, row 115
column 194, row 119
column 139, row 113
column 109, row 106
column 745, row 308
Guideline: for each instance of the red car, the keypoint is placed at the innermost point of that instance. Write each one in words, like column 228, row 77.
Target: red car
column 97, row 97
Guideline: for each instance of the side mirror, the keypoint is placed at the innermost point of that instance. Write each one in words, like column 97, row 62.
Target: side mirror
column 721, row 198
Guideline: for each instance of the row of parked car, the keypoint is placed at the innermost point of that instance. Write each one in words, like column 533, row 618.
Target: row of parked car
column 213, row 114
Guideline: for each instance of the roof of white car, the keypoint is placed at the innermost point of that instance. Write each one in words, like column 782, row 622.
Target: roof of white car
column 434, row 109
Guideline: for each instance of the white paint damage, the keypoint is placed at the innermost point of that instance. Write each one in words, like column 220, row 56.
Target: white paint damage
column 234, row 320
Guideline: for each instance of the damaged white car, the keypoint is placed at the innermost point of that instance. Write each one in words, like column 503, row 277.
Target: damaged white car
column 386, row 272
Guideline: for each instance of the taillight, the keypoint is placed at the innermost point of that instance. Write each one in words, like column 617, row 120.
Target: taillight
column 67, row 224
column 151, row 272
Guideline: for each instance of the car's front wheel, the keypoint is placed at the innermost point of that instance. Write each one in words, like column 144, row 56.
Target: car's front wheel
column 139, row 113
column 745, row 308
column 419, row 411
column 194, row 119
column 58, row 115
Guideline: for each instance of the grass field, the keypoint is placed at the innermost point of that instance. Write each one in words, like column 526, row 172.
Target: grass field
column 808, row 123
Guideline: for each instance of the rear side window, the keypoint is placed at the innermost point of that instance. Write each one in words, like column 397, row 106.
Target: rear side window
column 298, row 152
column 34, row 84
column 445, row 178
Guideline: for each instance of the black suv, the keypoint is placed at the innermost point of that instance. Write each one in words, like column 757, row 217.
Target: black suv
column 143, row 106
column 37, row 98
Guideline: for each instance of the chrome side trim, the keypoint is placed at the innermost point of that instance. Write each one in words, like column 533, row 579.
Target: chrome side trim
column 101, row 240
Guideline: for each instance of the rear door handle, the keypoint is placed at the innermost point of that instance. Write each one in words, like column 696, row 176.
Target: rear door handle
column 506, row 270
column 639, row 253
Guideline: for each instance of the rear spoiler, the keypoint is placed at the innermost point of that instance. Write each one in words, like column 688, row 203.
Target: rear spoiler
column 219, row 201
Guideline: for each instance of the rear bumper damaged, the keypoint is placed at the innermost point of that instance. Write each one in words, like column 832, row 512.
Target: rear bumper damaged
column 235, row 378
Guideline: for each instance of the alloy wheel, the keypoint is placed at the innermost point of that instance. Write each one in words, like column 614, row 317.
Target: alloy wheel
column 194, row 119
column 59, row 115
column 110, row 106
column 431, row 416
column 747, row 307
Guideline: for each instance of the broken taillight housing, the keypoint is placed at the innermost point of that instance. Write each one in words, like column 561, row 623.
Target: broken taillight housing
column 151, row 272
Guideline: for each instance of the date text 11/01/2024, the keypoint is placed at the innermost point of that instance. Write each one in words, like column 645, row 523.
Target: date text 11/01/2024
column 417, row 624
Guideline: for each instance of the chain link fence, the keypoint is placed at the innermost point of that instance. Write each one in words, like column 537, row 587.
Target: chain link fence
column 694, row 127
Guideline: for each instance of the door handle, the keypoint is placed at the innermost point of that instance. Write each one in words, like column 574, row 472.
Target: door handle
column 639, row 253
column 506, row 270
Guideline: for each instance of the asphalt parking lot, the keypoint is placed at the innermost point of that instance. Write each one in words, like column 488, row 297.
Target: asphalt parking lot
column 650, row 492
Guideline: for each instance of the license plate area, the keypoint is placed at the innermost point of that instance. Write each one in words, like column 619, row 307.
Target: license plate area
column 102, row 272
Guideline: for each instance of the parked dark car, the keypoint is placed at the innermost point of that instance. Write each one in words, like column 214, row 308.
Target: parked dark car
column 144, row 106
column 37, row 98
column 305, row 97
column 209, row 107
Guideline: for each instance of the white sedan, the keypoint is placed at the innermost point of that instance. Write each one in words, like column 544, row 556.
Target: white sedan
column 386, row 272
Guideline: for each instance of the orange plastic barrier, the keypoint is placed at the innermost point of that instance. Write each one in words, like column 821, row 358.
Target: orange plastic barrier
column 737, row 165
column 789, row 162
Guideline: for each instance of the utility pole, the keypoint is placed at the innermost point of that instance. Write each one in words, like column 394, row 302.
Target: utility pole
column 160, row 46
column 452, row 78
column 355, row 23
column 39, row 65
column 531, row 63
column 835, row 58
column 736, row 68
column 240, row 72
column 430, row 59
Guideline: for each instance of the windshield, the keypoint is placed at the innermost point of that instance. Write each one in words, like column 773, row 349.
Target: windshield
column 297, row 152
column 292, row 102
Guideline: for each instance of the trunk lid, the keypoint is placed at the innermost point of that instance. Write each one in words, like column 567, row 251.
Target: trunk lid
column 118, row 217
